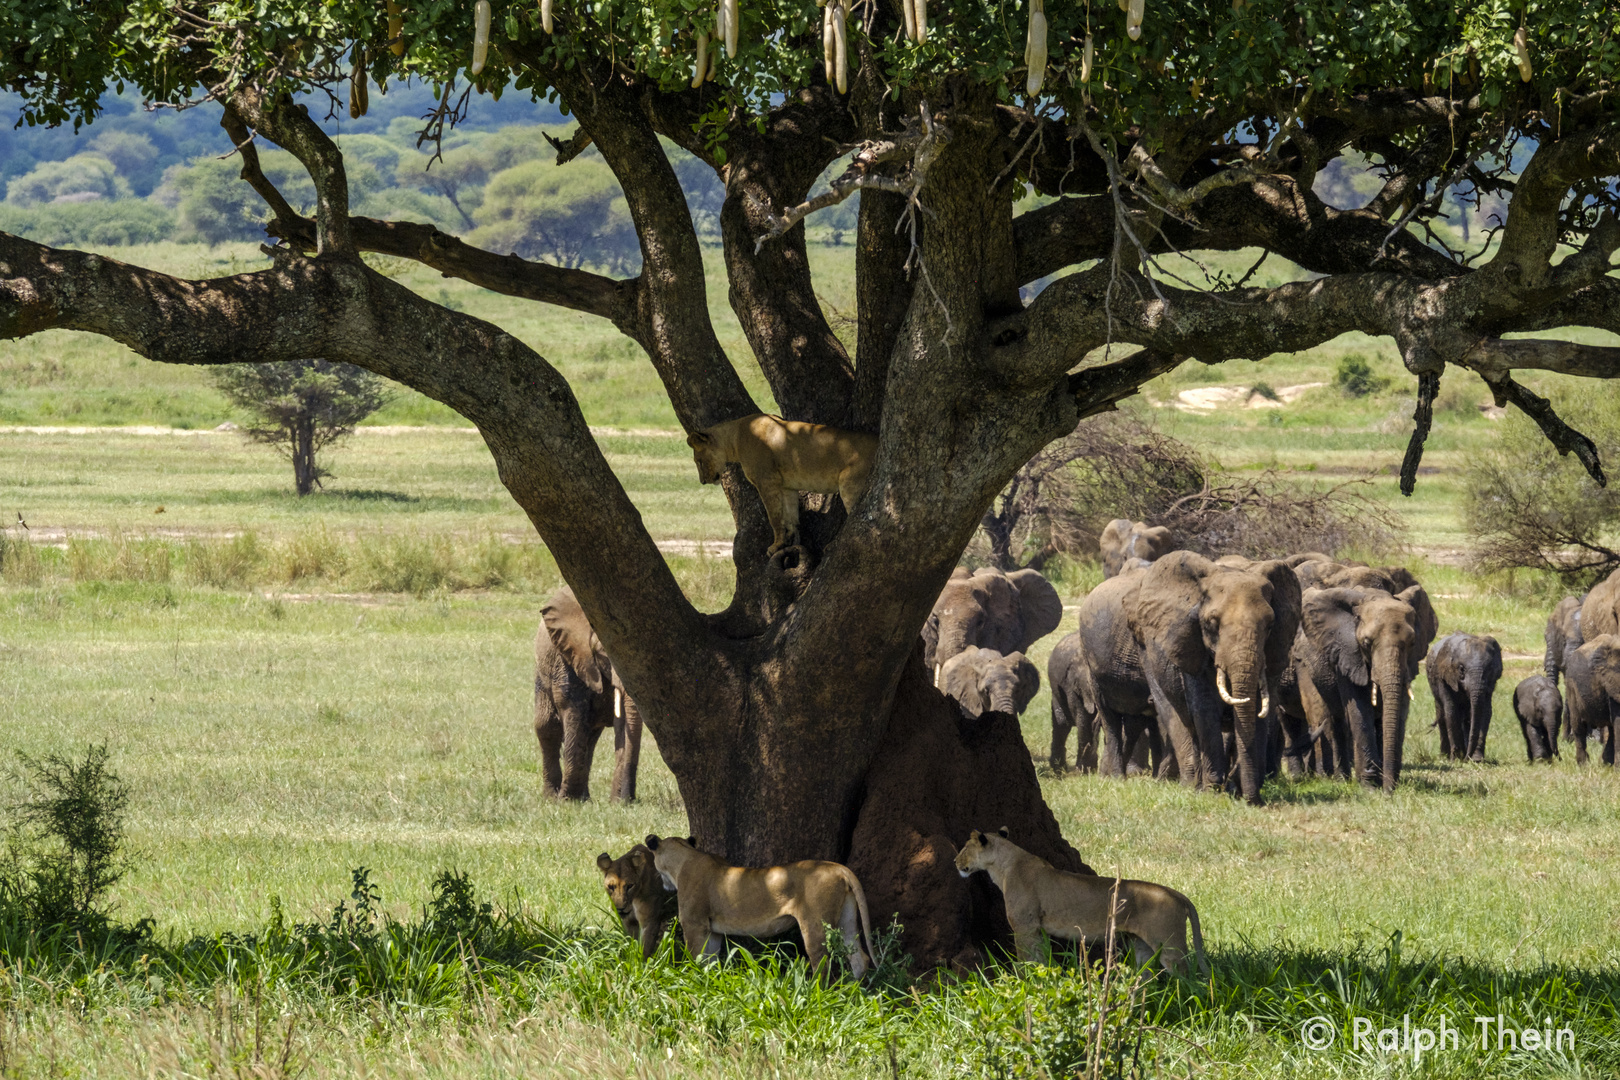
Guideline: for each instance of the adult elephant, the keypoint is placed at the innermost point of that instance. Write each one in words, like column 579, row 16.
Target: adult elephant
column 577, row 696
column 1463, row 670
column 1350, row 674
column 983, row 680
column 1097, row 682
column 1563, row 634
column 1592, row 694
column 1211, row 634
column 1122, row 541
column 989, row 609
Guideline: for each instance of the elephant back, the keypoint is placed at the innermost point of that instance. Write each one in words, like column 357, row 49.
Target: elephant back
column 1600, row 611
column 563, row 623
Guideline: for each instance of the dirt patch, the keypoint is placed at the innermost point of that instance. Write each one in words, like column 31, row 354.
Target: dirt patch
column 1206, row 399
column 937, row 776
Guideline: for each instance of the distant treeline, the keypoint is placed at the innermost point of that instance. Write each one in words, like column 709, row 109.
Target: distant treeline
column 136, row 176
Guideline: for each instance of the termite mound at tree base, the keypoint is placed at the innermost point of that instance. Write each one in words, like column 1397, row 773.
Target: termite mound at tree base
column 936, row 776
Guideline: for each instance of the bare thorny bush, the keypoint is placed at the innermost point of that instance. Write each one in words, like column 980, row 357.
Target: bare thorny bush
column 1118, row 465
column 1525, row 507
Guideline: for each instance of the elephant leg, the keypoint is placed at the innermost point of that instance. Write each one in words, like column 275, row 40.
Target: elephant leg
column 1456, row 725
column 1295, row 740
column 1137, row 753
column 1368, row 749
column 581, row 730
column 626, row 750
column 1154, row 740
column 548, row 728
column 1183, row 735
column 1111, row 761
column 1063, row 709
column 1087, row 734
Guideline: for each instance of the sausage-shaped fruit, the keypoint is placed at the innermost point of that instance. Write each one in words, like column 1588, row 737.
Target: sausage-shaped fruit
column 396, row 28
column 481, row 15
column 1521, row 45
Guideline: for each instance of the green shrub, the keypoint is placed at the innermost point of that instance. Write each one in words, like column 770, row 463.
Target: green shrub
column 65, row 850
column 1355, row 377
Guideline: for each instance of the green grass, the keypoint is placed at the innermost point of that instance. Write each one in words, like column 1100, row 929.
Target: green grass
column 297, row 687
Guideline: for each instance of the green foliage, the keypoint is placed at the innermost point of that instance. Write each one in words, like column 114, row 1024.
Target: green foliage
column 99, row 223
column 1355, row 377
column 80, row 178
column 569, row 215
column 65, row 848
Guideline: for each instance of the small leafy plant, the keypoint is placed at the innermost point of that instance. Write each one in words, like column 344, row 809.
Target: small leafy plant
column 65, row 850
column 1355, row 377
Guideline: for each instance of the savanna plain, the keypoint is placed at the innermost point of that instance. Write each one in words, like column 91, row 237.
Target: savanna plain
column 322, row 710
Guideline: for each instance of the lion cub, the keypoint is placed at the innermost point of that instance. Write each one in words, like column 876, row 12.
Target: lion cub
column 784, row 457
column 715, row 899
column 1040, row 897
column 638, row 895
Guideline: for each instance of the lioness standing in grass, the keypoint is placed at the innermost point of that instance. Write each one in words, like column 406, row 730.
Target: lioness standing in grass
column 784, row 457
column 715, row 898
column 1075, row 907
column 637, row 893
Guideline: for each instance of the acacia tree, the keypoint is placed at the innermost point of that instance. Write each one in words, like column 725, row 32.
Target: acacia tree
column 301, row 407
column 798, row 722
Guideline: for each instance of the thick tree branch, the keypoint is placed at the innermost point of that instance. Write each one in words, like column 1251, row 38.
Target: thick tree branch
column 288, row 125
column 672, row 301
column 772, row 291
column 577, row 290
column 1565, row 438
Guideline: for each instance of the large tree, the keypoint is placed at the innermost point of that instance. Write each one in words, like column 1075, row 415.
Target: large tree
column 798, row 721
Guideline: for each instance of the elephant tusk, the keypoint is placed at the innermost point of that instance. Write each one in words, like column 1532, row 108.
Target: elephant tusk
column 1375, row 695
column 1265, row 703
column 1225, row 689
column 618, row 704
column 936, row 675
column 1410, row 694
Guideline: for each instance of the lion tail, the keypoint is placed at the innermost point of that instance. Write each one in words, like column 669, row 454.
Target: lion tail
column 1198, row 939
column 854, row 884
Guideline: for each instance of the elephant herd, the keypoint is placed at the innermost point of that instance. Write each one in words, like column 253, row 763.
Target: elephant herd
column 1303, row 664
column 1218, row 673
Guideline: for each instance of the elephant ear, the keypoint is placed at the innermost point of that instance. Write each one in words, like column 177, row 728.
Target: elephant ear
column 961, row 678
column 1428, row 625
column 997, row 597
column 1029, row 679
column 1163, row 609
column 1038, row 602
column 571, row 633
column 1286, row 600
column 1328, row 617
column 930, row 636
column 1311, row 569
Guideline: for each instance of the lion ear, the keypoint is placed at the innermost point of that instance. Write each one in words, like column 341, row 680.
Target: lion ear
column 1004, row 831
column 603, row 861
column 652, row 842
column 699, row 438
column 975, row 836
column 638, row 858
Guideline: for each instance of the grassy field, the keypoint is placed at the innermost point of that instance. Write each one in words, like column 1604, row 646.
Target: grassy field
column 296, row 688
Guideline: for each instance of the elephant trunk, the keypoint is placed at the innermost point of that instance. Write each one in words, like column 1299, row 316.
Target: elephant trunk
column 1241, row 686
column 1003, row 699
column 1391, row 700
column 1479, row 721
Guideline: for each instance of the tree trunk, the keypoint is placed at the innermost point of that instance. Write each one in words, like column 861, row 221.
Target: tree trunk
column 303, row 455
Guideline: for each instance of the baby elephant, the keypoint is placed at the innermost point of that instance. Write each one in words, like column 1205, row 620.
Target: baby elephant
column 1540, row 711
column 983, row 680
column 1463, row 670
column 1076, row 907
